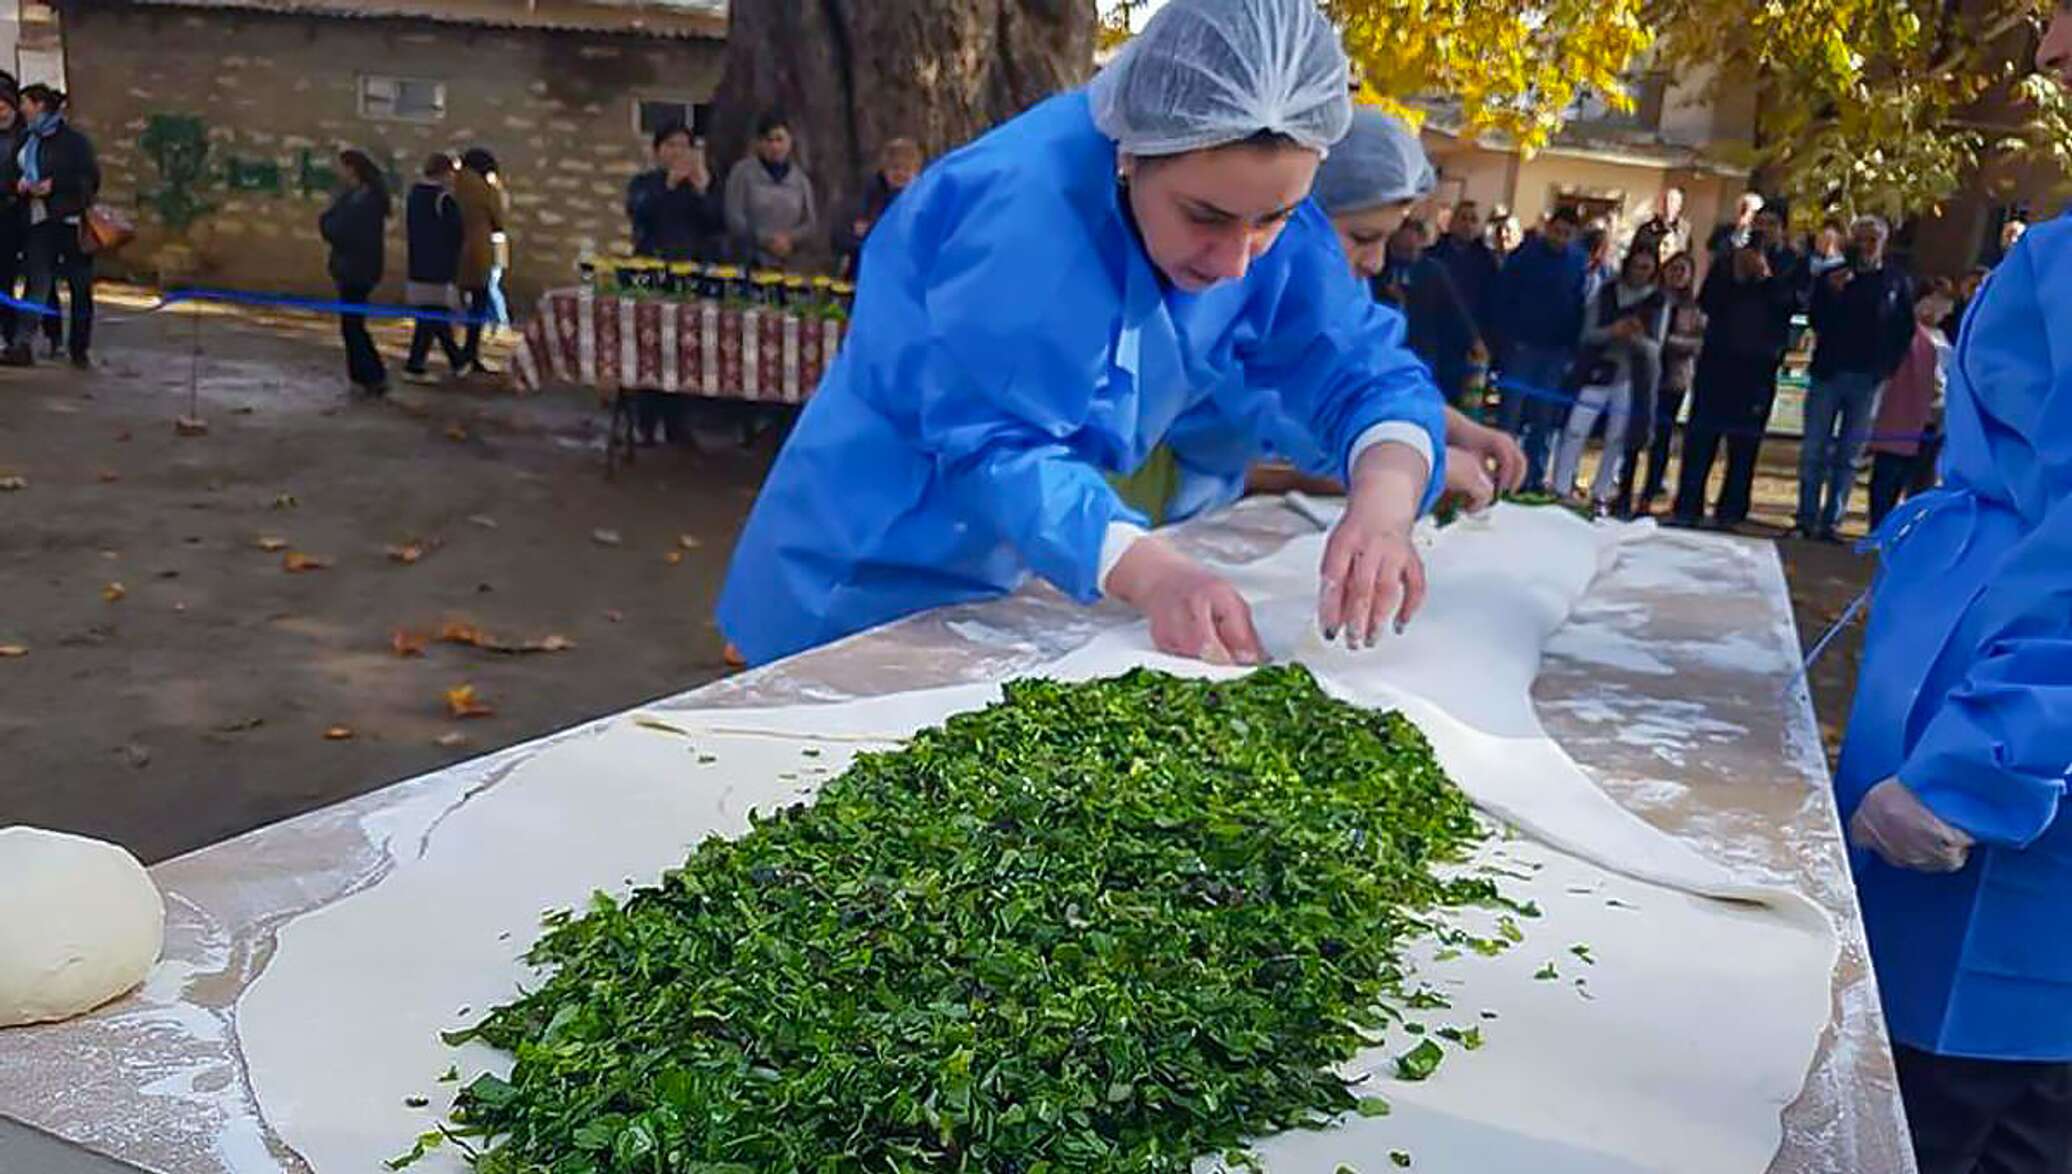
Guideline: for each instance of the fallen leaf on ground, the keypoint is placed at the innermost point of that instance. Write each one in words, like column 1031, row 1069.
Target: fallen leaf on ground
column 649, row 723
column 673, row 557
column 456, row 432
column 338, row 733
column 483, row 520
column 13, row 650
column 462, row 632
column 241, row 725
column 285, row 501
column 451, row 740
column 688, row 542
column 606, row 537
column 113, row 592
column 462, row 702
column 12, row 483
column 408, row 643
column 406, row 554
column 108, row 476
column 295, row 562
column 270, row 544
column 190, row 426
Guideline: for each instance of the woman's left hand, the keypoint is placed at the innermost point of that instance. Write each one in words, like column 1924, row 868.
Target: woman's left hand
column 1490, row 449
column 1371, row 573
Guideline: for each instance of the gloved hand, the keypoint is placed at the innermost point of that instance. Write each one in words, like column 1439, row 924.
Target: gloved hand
column 1371, row 573
column 1895, row 824
column 1193, row 611
column 1489, row 449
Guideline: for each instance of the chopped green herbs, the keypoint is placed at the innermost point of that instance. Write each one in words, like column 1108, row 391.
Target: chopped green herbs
column 1108, row 926
column 1547, row 973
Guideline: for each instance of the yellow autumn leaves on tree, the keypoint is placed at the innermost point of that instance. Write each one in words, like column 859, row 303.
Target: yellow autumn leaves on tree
column 1512, row 69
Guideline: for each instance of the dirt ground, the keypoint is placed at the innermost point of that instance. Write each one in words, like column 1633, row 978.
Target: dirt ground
column 177, row 684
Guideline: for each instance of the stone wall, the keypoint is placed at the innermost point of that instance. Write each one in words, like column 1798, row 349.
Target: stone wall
column 220, row 130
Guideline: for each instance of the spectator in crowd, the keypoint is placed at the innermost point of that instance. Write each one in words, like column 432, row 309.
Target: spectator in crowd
column 1469, row 261
column 1863, row 318
column 14, row 227
column 898, row 163
column 1748, row 298
column 356, row 228
column 770, row 208
column 1538, row 311
column 1505, row 234
column 1438, row 326
column 1617, row 369
column 1961, row 297
column 1829, row 249
column 1599, row 272
column 432, row 232
column 482, row 218
column 674, row 209
column 1666, row 233
column 1731, row 236
column 1906, row 436
column 1680, row 349
column 674, row 206
column 58, row 181
column 2011, row 234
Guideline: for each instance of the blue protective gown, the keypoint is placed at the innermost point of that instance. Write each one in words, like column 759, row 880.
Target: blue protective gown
column 1966, row 690
column 1014, row 344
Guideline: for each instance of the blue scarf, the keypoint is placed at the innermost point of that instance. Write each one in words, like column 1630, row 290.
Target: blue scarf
column 31, row 155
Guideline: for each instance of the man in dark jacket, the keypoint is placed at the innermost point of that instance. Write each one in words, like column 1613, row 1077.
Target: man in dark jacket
column 58, row 181
column 432, row 230
column 1749, row 297
column 1538, row 310
column 1862, row 314
column 674, row 207
column 1471, row 263
column 1437, row 325
column 898, row 164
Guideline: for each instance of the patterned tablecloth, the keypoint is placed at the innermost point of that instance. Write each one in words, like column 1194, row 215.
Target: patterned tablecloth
column 686, row 347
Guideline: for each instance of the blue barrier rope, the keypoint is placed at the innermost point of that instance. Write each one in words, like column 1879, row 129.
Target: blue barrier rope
column 279, row 301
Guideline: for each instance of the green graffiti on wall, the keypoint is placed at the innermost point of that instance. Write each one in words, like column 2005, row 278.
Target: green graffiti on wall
column 253, row 175
column 178, row 145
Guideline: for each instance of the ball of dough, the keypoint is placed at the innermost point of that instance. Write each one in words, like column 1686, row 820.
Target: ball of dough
column 80, row 923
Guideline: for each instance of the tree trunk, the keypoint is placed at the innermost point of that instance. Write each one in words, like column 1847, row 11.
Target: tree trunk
column 852, row 74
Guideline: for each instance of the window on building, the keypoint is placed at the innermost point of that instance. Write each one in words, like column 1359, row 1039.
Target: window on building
column 652, row 114
column 402, row 99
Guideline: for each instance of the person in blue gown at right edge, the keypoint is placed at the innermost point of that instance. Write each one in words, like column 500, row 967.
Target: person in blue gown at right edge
column 1955, row 764
column 1120, row 268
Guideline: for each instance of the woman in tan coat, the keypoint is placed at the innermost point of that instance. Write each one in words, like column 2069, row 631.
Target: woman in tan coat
column 481, row 218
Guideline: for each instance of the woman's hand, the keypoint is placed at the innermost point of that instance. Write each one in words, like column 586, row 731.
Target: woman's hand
column 1193, row 611
column 1371, row 573
column 1468, row 481
column 1493, row 451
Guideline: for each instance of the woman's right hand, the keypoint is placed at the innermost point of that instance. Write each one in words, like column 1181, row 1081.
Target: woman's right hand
column 1193, row 611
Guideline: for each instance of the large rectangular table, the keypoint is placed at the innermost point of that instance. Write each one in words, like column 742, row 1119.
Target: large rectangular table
column 1674, row 683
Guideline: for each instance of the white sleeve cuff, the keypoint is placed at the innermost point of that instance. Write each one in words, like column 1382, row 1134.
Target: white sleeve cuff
column 1392, row 432
column 1120, row 537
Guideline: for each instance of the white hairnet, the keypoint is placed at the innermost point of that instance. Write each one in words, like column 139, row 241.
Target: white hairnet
column 1206, row 73
column 1379, row 161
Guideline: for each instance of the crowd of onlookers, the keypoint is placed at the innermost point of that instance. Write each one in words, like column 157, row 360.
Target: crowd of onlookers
column 48, row 180
column 1573, row 336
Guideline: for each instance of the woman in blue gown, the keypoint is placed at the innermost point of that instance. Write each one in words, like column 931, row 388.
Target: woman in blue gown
column 1955, row 765
column 1125, row 266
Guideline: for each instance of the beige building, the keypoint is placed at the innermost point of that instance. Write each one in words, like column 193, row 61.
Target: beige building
column 1607, row 164
column 219, row 121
